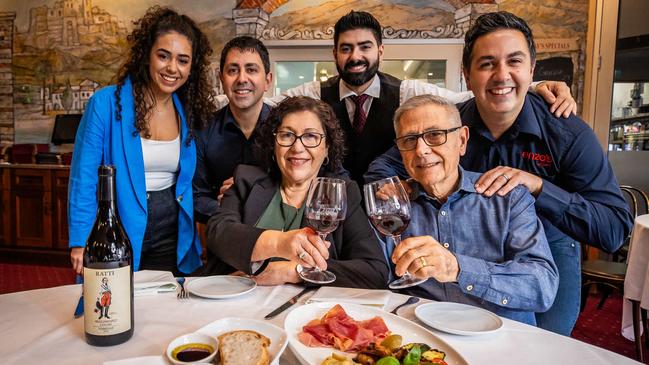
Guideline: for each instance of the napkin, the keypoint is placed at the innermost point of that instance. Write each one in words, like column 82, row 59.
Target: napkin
column 148, row 282
column 374, row 298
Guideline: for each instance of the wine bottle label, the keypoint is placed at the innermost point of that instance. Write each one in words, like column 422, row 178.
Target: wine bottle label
column 107, row 301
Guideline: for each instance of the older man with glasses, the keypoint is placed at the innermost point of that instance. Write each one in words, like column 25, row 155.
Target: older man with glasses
column 489, row 252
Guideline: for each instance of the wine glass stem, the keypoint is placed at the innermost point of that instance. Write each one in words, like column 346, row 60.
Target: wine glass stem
column 397, row 241
column 322, row 237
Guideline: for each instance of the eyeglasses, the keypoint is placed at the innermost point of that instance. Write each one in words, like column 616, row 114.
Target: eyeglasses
column 308, row 139
column 432, row 138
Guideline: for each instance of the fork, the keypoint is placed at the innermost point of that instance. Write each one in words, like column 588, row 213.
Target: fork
column 182, row 294
column 411, row 300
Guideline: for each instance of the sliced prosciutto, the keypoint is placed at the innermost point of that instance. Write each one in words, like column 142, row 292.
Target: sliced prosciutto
column 338, row 330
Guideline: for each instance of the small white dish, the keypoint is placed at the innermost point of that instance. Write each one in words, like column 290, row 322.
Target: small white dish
column 204, row 341
column 458, row 319
column 277, row 336
column 220, row 286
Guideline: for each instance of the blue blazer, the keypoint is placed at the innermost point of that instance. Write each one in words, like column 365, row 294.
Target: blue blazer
column 102, row 139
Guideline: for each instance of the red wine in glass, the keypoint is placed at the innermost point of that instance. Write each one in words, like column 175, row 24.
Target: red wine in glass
column 388, row 208
column 326, row 207
column 322, row 223
column 390, row 224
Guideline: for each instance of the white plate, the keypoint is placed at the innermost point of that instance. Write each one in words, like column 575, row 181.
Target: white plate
column 411, row 332
column 458, row 319
column 220, row 286
column 277, row 336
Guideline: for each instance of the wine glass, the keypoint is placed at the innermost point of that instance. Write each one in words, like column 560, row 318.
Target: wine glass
column 388, row 208
column 326, row 206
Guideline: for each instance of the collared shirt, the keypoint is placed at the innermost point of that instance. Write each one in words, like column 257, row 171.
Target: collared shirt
column 580, row 196
column 373, row 91
column 220, row 147
column 503, row 255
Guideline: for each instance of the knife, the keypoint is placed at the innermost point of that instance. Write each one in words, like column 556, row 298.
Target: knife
column 78, row 312
column 290, row 302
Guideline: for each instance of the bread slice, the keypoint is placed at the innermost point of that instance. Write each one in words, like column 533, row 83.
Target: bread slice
column 244, row 348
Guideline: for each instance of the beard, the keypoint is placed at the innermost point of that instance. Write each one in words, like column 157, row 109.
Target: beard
column 356, row 78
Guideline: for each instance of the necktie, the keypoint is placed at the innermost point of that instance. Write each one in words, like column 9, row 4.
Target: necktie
column 359, row 113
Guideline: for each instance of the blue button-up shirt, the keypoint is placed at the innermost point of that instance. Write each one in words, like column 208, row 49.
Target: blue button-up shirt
column 503, row 255
column 220, row 147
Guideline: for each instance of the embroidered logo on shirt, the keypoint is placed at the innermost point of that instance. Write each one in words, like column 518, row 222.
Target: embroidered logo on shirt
column 540, row 159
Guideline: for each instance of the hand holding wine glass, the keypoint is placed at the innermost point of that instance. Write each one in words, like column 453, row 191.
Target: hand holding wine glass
column 326, row 207
column 388, row 208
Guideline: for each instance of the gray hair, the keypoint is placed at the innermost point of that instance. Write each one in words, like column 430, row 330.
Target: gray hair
column 421, row 100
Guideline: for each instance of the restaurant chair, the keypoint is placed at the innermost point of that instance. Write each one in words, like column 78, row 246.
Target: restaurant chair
column 66, row 158
column 608, row 275
column 25, row 153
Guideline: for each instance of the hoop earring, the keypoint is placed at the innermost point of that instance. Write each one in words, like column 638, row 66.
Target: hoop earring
column 326, row 161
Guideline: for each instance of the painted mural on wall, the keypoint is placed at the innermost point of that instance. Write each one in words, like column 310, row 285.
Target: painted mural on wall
column 400, row 19
column 65, row 50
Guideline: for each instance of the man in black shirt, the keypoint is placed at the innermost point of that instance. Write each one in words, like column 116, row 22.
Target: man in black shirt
column 227, row 140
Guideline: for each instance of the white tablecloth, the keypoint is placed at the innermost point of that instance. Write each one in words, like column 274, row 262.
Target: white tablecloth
column 636, row 281
column 36, row 327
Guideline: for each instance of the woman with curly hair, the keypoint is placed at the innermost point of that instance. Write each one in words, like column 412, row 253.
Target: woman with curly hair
column 259, row 228
column 144, row 126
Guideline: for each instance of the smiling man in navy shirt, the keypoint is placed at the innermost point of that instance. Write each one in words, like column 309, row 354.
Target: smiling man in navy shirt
column 515, row 140
column 227, row 140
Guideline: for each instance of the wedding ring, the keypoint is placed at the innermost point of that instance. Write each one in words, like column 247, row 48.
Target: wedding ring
column 506, row 178
column 423, row 261
column 301, row 255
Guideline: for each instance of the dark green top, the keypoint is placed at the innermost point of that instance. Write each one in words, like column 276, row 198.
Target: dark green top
column 280, row 216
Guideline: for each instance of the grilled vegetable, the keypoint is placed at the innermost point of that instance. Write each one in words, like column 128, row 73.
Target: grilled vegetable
column 413, row 356
column 365, row 359
column 392, row 342
column 433, row 354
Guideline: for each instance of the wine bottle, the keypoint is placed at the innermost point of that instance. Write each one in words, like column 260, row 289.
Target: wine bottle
column 107, row 271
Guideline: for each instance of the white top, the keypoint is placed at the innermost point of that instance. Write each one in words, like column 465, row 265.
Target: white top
column 161, row 162
column 38, row 328
column 373, row 91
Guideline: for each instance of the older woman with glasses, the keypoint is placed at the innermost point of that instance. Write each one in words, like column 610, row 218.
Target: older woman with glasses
column 260, row 226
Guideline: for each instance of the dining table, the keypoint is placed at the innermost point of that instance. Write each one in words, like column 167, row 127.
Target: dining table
column 37, row 327
column 636, row 280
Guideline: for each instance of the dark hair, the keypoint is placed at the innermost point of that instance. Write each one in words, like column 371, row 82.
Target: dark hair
column 264, row 146
column 246, row 43
column 358, row 20
column 491, row 22
column 196, row 94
